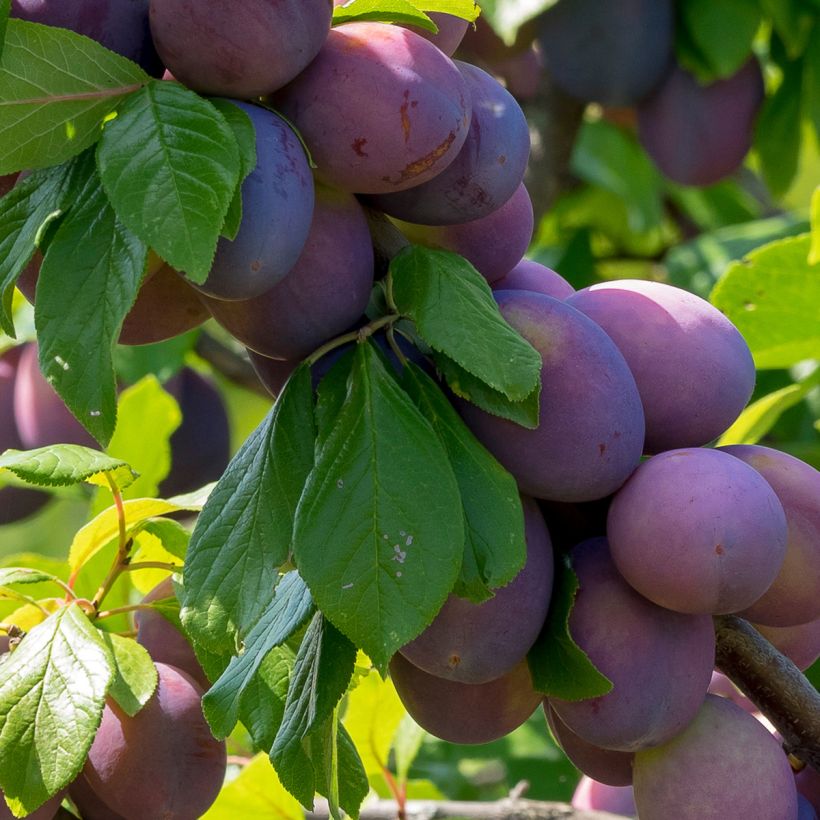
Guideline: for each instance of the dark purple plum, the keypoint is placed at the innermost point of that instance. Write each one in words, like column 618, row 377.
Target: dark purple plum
column 612, row 53
column 239, row 48
column 87, row 801
column 120, row 25
column 374, row 143
column 660, row 662
column 273, row 373
column 42, row 418
column 693, row 369
column 477, row 643
column 163, row 762
column 488, row 169
column 794, row 596
column 591, row 795
column 569, row 524
column 7, row 182
column 164, row 642
column 801, row 644
column 805, row 810
column 200, row 446
column 325, row 292
column 277, row 208
column 697, row 134
column 494, row 244
column 16, row 503
column 590, row 435
column 451, row 31
column 808, row 786
column 538, row 278
column 602, row 765
column 724, row 764
column 464, row 712
column 698, row 531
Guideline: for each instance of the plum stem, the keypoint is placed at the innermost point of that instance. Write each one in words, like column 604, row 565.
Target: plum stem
column 773, row 683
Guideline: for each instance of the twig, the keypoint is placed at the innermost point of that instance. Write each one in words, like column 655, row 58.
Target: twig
column 773, row 683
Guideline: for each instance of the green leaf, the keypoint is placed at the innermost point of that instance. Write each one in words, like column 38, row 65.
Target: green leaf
column 62, row 465
column 243, row 130
column 146, row 418
column 24, row 213
column 608, row 156
column 402, row 12
column 468, row 387
column 374, row 713
column 792, row 22
column 495, row 549
column 171, row 534
column 559, row 667
column 384, row 496
column 506, row 17
column 244, row 531
column 811, row 80
column 321, row 673
column 455, row 313
column 760, row 416
column 256, row 794
column 814, row 250
column 262, row 705
column 773, row 298
column 777, row 132
column 406, row 746
column 170, row 165
column 721, row 34
column 135, row 675
column 286, row 613
column 56, row 88
column 5, row 8
column 23, row 575
column 91, row 273
column 330, row 396
column 52, row 694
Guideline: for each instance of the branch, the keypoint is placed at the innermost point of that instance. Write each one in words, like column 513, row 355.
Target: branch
column 773, row 683
column 506, row 809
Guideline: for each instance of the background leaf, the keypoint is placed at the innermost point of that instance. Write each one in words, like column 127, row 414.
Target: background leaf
column 65, row 464
column 170, row 164
column 56, row 88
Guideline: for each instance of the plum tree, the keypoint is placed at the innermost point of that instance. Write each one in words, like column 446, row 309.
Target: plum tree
column 164, row 642
column 660, row 662
column 698, row 134
column 477, row 643
column 277, row 208
column 612, row 53
column 494, row 244
column 325, row 292
column 200, row 446
column 464, row 712
column 404, row 135
column 243, row 48
column 488, row 169
column 792, row 598
column 41, row 416
column 535, row 277
column 740, row 769
column 164, row 761
column 591, row 432
column 693, row 369
column 698, row 531
column 121, row 25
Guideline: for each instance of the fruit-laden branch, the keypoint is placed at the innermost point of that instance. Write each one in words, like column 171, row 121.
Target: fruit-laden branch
column 506, row 809
column 773, row 683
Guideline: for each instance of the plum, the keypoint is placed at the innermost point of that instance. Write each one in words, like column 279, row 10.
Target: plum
column 595, row 796
column 801, row 643
column 476, row 643
column 724, row 764
column 612, row 53
column 325, row 292
column 465, row 712
column 494, row 244
column 488, row 169
column 793, row 597
column 698, row 134
column 371, row 143
column 693, row 369
column 277, row 208
column 238, row 48
column 533, row 276
column 698, row 531
column 660, row 662
column 590, row 435
column 163, row 762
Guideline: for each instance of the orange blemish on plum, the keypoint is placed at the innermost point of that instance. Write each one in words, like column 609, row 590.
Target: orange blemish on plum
column 358, row 146
column 719, row 549
column 405, row 119
column 424, row 163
